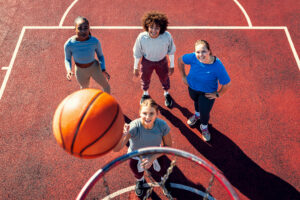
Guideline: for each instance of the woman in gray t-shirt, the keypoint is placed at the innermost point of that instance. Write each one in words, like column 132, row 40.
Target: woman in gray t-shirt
column 146, row 131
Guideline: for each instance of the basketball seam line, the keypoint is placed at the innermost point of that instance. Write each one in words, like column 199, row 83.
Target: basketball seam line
column 108, row 128
column 60, row 131
column 79, row 123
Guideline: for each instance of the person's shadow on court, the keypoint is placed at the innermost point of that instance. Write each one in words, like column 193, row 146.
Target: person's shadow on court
column 243, row 173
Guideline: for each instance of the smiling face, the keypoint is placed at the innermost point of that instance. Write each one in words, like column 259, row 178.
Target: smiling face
column 82, row 30
column 202, row 53
column 148, row 116
column 154, row 30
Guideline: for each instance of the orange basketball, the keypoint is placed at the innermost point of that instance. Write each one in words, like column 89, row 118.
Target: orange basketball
column 88, row 123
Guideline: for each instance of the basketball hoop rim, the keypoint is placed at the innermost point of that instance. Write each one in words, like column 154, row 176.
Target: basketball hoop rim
column 154, row 150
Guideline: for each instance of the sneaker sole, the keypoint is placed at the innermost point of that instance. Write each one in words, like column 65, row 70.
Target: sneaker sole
column 191, row 124
column 169, row 106
column 206, row 140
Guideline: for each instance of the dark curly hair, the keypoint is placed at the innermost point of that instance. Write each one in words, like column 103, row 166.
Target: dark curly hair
column 157, row 18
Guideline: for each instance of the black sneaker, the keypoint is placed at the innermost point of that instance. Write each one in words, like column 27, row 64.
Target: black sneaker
column 168, row 101
column 144, row 97
column 139, row 188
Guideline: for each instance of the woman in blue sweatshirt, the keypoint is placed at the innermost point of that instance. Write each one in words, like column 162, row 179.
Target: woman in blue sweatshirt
column 82, row 47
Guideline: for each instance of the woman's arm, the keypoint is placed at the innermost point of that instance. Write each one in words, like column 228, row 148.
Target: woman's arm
column 68, row 61
column 124, row 139
column 224, row 88
column 135, row 66
column 219, row 93
column 100, row 55
column 167, row 140
column 182, row 70
column 171, row 68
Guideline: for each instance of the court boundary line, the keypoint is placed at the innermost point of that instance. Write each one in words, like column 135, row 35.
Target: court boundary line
column 12, row 60
column 9, row 68
column 173, row 185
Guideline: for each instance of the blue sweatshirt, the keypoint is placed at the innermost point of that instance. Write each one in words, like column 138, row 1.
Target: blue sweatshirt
column 83, row 52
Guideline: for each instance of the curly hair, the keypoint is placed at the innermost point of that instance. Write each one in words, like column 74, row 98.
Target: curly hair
column 157, row 18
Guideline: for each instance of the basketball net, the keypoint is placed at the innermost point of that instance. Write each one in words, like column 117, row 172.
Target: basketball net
column 179, row 158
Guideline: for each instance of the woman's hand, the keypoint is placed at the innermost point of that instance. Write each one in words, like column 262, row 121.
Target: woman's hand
column 106, row 75
column 147, row 162
column 171, row 70
column 136, row 72
column 69, row 75
column 124, row 139
column 211, row 95
column 185, row 81
column 219, row 93
column 126, row 129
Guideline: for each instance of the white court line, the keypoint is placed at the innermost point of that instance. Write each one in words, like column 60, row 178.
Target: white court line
column 4, row 68
column 169, row 27
column 173, row 185
column 66, row 12
column 235, row 1
column 292, row 46
column 139, row 27
column 11, row 63
column 244, row 12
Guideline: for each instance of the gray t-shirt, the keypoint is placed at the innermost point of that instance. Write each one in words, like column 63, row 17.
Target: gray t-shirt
column 154, row 49
column 141, row 137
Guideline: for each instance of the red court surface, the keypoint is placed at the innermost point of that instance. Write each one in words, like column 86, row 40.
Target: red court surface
column 255, row 126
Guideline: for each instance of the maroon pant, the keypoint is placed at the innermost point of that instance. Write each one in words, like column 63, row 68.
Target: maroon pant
column 138, row 175
column 161, row 68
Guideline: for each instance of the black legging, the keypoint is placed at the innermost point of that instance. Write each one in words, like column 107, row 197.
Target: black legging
column 202, row 105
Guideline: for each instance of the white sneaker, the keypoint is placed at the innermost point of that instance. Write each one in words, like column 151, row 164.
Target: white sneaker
column 192, row 120
column 205, row 134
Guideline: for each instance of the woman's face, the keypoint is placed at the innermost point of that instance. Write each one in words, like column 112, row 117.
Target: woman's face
column 153, row 30
column 202, row 53
column 148, row 115
column 82, row 30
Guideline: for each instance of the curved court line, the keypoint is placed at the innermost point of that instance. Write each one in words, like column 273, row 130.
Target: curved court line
column 244, row 12
column 66, row 12
column 235, row 1
column 174, row 185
